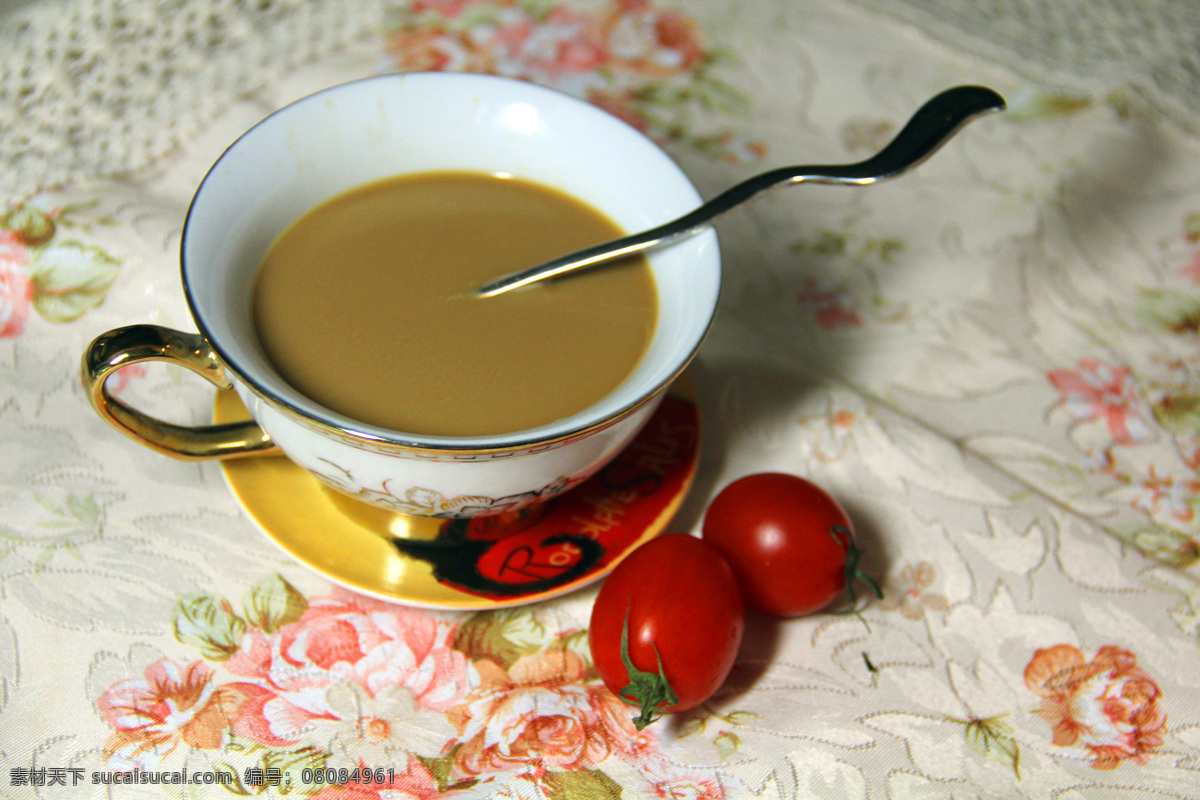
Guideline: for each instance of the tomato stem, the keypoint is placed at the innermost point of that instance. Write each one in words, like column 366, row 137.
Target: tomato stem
column 647, row 690
column 854, row 572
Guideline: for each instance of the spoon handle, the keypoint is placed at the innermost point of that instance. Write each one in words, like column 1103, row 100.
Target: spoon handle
column 930, row 127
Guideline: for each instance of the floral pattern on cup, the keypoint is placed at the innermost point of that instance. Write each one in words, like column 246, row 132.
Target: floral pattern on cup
column 430, row 503
column 647, row 65
column 492, row 703
column 1107, row 707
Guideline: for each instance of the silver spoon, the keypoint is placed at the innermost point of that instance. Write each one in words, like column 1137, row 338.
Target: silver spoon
column 930, row 128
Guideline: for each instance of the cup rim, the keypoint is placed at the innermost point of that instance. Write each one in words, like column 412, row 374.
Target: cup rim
column 332, row 422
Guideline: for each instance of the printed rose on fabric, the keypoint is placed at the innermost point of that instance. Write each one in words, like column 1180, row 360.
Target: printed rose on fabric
column 377, row 729
column 414, row 783
column 653, row 41
column 832, row 308
column 1101, row 392
column 1106, row 707
column 562, row 47
column 669, row 781
column 289, row 676
column 831, row 435
column 646, row 65
column 500, row 703
column 426, row 50
column 60, row 280
column 168, row 706
column 1165, row 496
column 445, row 8
column 540, row 714
column 16, row 289
column 908, row 593
column 556, row 48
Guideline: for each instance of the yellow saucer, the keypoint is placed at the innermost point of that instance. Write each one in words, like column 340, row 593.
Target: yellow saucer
column 475, row 564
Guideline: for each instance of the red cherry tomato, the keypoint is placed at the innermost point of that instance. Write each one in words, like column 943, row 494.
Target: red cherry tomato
column 789, row 543
column 666, row 625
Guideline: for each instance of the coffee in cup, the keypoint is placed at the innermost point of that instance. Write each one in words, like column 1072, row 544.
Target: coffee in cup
column 367, row 305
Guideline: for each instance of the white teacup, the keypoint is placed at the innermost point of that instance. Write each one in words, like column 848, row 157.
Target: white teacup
column 359, row 132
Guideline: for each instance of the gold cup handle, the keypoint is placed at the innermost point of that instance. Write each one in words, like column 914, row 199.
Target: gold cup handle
column 137, row 343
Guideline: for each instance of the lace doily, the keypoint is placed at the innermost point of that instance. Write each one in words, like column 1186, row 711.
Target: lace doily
column 101, row 87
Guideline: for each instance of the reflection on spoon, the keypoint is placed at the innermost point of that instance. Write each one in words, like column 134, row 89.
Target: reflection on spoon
column 930, row 128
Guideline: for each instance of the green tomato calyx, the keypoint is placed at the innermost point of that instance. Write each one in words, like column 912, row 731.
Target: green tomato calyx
column 853, row 571
column 647, row 690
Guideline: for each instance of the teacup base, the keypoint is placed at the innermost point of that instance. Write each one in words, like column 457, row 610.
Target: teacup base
column 491, row 562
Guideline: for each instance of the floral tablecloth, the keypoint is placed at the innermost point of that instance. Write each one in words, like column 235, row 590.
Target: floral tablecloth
column 992, row 363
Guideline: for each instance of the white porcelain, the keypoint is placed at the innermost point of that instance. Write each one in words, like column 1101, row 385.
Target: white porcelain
column 348, row 135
